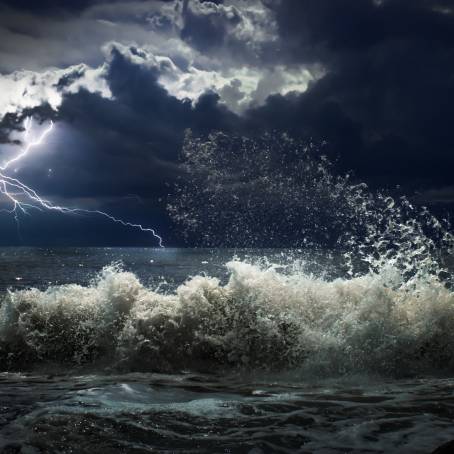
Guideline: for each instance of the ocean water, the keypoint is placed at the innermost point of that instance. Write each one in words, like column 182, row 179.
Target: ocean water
column 224, row 351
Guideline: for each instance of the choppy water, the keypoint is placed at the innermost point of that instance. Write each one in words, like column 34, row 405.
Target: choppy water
column 141, row 413
column 203, row 351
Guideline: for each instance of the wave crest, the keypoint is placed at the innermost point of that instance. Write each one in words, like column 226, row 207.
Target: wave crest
column 264, row 317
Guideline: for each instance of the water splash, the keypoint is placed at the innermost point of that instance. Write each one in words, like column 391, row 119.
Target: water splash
column 262, row 318
column 387, row 309
column 276, row 191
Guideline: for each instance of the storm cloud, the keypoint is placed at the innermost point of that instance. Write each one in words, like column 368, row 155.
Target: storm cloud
column 125, row 80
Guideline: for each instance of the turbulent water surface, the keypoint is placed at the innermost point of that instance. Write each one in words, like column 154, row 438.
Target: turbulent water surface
column 215, row 351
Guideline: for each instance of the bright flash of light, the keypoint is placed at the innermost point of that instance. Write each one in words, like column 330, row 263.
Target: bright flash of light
column 23, row 198
column 30, row 145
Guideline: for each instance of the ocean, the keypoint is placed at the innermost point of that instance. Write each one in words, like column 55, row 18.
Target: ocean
column 119, row 350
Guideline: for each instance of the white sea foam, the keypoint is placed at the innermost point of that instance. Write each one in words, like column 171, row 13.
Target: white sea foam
column 262, row 318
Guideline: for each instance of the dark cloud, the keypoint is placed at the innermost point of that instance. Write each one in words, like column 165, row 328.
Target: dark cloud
column 58, row 6
column 386, row 101
column 110, row 148
column 326, row 30
column 207, row 24
column 383, row 98
column 9, row 123
column 236, row 31
column 46, row 6
column 439, row 196
column 36, row 35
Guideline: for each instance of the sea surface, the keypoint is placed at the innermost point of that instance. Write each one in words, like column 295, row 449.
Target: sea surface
column 219, row 351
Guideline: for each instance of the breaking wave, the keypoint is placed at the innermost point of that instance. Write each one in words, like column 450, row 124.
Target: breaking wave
column 263, row 317
column 381, row 301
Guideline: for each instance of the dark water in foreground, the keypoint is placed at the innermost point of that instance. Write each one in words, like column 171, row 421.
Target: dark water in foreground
column 142, row 413
column 107, row 367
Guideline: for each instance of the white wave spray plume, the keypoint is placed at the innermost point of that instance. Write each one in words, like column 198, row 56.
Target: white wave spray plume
column 276, row 191
column 376, row 297
column 23, row 197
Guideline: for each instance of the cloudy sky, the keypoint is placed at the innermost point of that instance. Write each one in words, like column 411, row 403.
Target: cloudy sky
column 123, row 80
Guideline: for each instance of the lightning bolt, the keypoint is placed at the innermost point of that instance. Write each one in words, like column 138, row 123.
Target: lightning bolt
column 23, row 198
column 30, row 145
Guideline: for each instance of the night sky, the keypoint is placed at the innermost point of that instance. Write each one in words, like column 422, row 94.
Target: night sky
column 373, row 80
